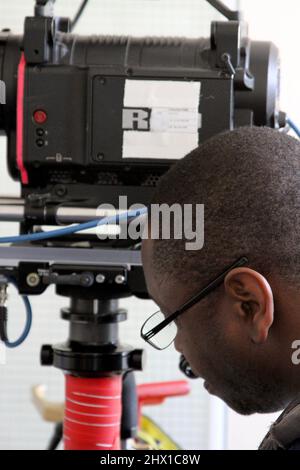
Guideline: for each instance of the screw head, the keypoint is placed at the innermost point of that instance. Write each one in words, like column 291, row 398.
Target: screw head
column 120, row 279
column 33, row 279
column 100, row 278
column 99, row 157
column 60, row 190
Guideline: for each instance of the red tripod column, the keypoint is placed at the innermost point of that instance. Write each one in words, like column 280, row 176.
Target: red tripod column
column 93, row 413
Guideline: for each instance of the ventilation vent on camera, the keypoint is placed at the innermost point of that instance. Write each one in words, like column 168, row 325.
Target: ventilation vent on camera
column 151, row 180
column 61, row 176
column 109, row 40
column 108, row 178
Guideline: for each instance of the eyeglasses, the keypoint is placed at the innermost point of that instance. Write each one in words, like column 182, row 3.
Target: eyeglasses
column 160, row 331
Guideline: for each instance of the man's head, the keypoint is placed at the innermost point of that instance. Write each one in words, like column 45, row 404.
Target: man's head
column 238, row 338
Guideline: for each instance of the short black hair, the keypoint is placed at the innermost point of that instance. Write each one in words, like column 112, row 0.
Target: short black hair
column 249, row 181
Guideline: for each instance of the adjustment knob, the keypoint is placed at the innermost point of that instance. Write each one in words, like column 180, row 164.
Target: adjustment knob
column 47, row 355
column 137, row 359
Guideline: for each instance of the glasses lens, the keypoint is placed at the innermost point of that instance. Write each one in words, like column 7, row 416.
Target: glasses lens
column 164, row 337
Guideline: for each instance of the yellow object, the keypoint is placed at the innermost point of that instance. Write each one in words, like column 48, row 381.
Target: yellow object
column 154, row 436
column 150, row 435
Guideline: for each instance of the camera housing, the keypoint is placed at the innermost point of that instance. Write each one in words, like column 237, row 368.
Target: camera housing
column 89, row 118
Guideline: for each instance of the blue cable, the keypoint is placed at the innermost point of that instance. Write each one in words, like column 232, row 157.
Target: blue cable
column 72, row 229
column 293, row 126
column 28, row 323
column 52, row 234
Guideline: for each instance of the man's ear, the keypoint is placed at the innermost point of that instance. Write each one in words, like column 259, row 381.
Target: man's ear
column 252, row 297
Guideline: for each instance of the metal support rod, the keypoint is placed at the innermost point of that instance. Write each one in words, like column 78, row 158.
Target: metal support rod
column 13, row 210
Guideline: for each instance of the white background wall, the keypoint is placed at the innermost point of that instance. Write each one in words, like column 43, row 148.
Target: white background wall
column 278, row 21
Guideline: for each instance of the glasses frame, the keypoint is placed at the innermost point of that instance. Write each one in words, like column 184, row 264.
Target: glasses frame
column 190, row 303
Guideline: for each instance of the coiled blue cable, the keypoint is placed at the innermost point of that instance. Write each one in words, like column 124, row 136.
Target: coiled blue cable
column 28, row 323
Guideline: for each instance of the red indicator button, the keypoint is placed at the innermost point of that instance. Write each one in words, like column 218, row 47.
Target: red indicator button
column 40, row 116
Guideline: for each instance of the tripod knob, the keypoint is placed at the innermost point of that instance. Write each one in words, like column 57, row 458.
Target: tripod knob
column 137, row 359
column 47, row 355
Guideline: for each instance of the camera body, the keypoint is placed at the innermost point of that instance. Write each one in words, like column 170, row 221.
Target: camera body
column 90, row 118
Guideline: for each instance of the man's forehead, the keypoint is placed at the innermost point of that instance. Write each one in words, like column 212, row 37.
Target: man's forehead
column 155, row 286
column 165, row 292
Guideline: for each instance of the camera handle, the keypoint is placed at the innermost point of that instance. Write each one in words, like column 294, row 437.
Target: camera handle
column 231, row 15
column 44, row 8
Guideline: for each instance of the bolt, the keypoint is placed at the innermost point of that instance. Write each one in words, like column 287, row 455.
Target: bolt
column 60, row 190
column 120, row 279
column 33, row 279
column 100, row 278
column 87, row 279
